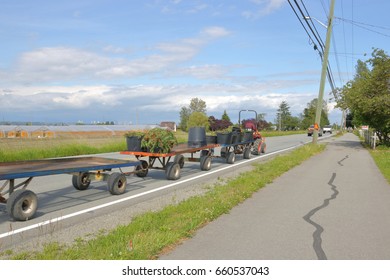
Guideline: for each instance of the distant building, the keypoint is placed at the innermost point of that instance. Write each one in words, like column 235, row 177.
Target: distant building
column 170, row 125
column 17, row 132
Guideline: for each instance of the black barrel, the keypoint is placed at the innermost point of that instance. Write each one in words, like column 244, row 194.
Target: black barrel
column 197, row 137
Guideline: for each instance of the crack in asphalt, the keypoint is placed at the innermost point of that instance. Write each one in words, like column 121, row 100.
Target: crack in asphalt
column 317, row 238
column 340, row 161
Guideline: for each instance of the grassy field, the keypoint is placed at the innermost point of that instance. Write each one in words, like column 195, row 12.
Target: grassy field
column 30, row 149
column 154, row 232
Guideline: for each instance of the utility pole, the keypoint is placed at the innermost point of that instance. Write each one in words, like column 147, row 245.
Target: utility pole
column 324, row 71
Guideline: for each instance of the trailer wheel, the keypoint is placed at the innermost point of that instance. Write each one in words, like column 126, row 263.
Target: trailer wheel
column 117, row 183
column 81, row 181
column 204, row 153
column 263, row 147
column 172, row 171
column 223, row 152
column 247, row 153
column 205, row 163
column 256, row 147
column 230, row 157
column 179, row 159
column 22, row 205
column 142, row 169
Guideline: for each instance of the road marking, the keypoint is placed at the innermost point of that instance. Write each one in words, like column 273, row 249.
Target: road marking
column 55, row 220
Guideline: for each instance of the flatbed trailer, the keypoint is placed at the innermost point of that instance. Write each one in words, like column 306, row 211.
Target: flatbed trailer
column 173, row 168
column 22, row 203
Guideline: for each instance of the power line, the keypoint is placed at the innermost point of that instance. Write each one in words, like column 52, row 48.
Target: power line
column 313, row 33
column 363, row 26
column 300, row 20
column 345, row 41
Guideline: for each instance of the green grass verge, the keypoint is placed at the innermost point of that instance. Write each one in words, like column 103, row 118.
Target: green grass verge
column 381, row 156
column 153, row 232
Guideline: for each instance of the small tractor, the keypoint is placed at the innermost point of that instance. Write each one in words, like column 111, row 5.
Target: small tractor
column 259, row 145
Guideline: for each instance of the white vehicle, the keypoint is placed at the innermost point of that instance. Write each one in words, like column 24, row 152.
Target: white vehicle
column 327, row 128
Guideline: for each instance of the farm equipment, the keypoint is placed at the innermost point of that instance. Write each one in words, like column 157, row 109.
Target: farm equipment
column 22, row 204
column 162, row 161
column 258, row 146
column 246, row 141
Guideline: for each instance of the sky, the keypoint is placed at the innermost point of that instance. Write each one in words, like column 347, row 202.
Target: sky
column 141, row 61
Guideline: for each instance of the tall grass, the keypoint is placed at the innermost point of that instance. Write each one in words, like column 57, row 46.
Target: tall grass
column 151, row 233
column 51, row 148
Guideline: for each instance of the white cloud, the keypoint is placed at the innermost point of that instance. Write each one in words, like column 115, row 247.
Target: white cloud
column 168, row 99
column 265, row 7
column 215, row 32
column 64, row 64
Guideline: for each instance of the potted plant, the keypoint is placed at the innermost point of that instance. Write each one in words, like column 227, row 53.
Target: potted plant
column 133, row 140
column 211, row 137
column 159, row 140
column 224, row 136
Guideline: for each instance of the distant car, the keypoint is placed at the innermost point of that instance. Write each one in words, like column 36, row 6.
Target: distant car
column 310, row 131
column 327, row 128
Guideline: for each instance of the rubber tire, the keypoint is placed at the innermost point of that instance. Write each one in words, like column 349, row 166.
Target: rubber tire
column 81, row 182
column 263, row 147
column 223, row 152
column 230, row 157
column 117, row 183
column 172, row 171
column 22, row 205
column 204, row 153
column 142, row 169
column 180, row 160
column 247, row 153
column 256, row 149
column 205, row 163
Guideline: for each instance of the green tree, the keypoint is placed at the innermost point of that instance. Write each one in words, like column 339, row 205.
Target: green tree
column 184, row 115
column 198, row 119
column 291, row 123
column 309, row 114
column 225, row 116
column 282, row 115
column 196, row 105
column 367, row 97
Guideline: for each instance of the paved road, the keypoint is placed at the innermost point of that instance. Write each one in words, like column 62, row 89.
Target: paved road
column 65, row 213
column 334, row 206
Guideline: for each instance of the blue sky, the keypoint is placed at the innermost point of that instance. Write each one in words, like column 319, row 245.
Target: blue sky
column 140, row 61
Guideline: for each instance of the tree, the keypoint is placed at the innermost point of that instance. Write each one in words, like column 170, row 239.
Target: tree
column 198, row 119
column 216, row 124
column 367, row 97
column 225, row 116
column 196, row 105
column 184, row 115
column 309, row 114
column 282, row 115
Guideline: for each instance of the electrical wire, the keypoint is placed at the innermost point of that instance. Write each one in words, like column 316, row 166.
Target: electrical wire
column 313, row 33
column 363, row 26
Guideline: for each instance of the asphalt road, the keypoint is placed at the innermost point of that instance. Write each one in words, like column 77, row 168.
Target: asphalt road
column 334, row 206
column 65, row 213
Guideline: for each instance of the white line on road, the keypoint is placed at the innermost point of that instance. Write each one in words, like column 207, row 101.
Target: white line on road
column 55, row 220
